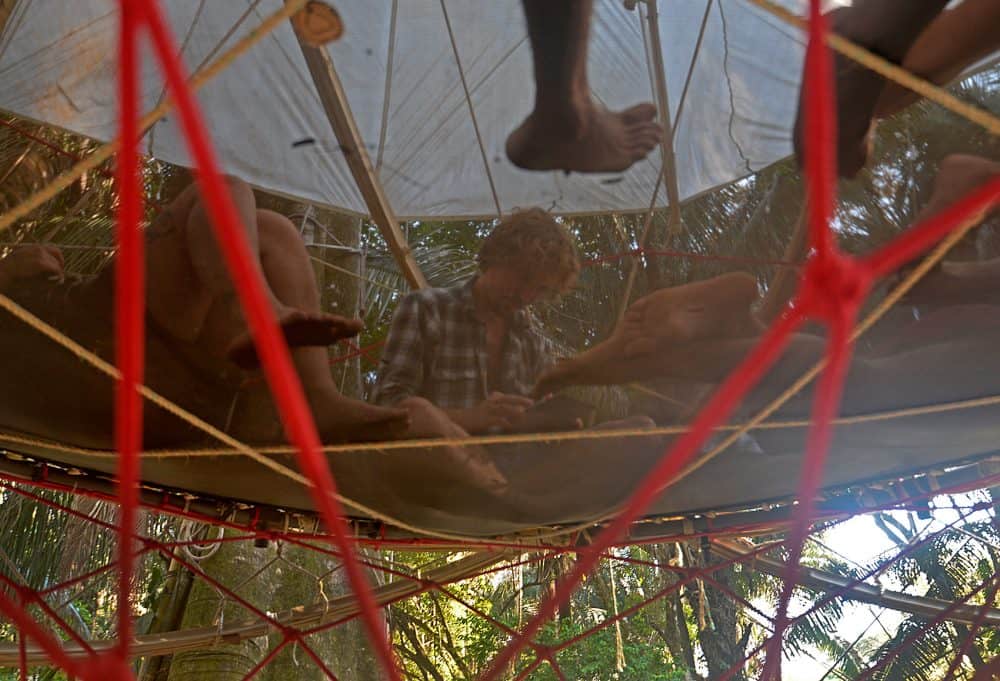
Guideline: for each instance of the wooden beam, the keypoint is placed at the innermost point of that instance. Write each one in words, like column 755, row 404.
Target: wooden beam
column 667, row 145
column 331, row 94
column 669, row 161
column 921, row 606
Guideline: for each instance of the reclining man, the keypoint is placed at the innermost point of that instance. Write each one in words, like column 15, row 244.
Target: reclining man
column 198, row 352
column 701, row 331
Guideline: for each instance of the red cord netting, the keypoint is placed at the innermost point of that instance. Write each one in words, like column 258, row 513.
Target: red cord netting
column 545, row 653
column 832, row 288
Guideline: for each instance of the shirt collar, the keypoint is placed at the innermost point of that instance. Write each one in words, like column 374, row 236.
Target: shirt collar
column 520, row 320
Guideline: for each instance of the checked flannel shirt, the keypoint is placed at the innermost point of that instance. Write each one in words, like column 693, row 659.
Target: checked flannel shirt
column 436, row 349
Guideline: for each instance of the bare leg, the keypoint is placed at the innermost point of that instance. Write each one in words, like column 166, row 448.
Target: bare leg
column 464, row 464
column 955, row 40
column 888, row 28
column 697, row 312
column 712, row 308
column 190, row 284
column 655, row 324
column 286, row 268
column 956, row 282
column 192, row 299
column 568, row 130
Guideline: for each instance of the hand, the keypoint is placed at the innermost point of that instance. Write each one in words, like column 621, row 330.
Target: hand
column 32, row 261
column 558, row 376
column 499, row 410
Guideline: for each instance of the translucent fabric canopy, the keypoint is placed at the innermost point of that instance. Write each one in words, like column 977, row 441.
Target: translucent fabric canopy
column 731, row 71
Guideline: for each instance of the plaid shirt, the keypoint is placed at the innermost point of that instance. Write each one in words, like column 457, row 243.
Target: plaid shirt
column 436, row 349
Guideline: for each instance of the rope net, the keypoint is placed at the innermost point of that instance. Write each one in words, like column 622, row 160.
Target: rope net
column 355, row 579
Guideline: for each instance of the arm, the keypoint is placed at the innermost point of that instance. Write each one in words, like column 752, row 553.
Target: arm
column 30, row 261
column 499, row 410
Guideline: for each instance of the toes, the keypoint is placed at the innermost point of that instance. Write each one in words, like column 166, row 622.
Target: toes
column 639, row 113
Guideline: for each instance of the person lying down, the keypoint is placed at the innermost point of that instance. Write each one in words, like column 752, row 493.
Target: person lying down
column 700, row 332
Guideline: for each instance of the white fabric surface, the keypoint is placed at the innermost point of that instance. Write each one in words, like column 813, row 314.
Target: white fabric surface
column 58, row 65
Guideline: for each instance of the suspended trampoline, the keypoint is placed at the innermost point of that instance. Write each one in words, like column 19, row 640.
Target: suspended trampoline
column 798, row 437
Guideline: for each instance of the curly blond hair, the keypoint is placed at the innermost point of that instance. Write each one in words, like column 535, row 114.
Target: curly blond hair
column 532, row 242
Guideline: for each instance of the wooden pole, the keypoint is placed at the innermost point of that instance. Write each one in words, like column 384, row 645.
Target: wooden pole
column 338, row 112
column 669, row 160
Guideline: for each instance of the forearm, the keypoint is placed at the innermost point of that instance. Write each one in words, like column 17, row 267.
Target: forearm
column 465, row 419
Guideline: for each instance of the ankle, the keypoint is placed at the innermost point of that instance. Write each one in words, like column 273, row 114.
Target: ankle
column 565, row 114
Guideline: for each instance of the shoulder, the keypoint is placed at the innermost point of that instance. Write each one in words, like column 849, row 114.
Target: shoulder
column 431, row 299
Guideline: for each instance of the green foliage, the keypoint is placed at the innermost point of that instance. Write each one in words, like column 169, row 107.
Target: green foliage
column 437, row 638
column 594, row 658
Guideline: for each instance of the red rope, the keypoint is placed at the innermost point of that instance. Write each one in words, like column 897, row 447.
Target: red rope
column 670, row 253
column 54, row 147
column 266, row 660
column 909, row 640
column 29, row 595
column 274, row 353
column 27, row 626
column 970, row 637
column 840, row 592
column 673, row 461
column 130, row 300
column 833, row 286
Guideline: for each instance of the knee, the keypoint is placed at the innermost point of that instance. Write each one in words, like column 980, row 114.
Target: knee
column 740, row 286
column 238, row 189
column 275, row 228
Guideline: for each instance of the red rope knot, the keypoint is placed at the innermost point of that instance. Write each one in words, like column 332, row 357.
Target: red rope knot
column 833, row 286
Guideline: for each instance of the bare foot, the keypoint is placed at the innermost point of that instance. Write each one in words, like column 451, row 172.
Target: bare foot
column 888, row 28
column 717, row 307
column 300, row 329
column 342, row 419
column 464, row 465
column 338, row 418
column 554, row 414
column 589, row 139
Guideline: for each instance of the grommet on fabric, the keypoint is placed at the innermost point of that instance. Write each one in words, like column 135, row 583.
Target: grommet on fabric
column 318, row 23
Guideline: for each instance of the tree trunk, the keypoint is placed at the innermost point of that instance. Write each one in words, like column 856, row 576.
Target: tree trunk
column 332, row 239
column 719, row 635
column 230, row 566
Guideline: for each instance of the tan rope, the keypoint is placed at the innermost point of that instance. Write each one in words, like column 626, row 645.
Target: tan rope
column 106, row 151
column 862, row 56
column 892, row 72
column 891, row 299
column 186, row 416
column 757, row 422
column 857, row 419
